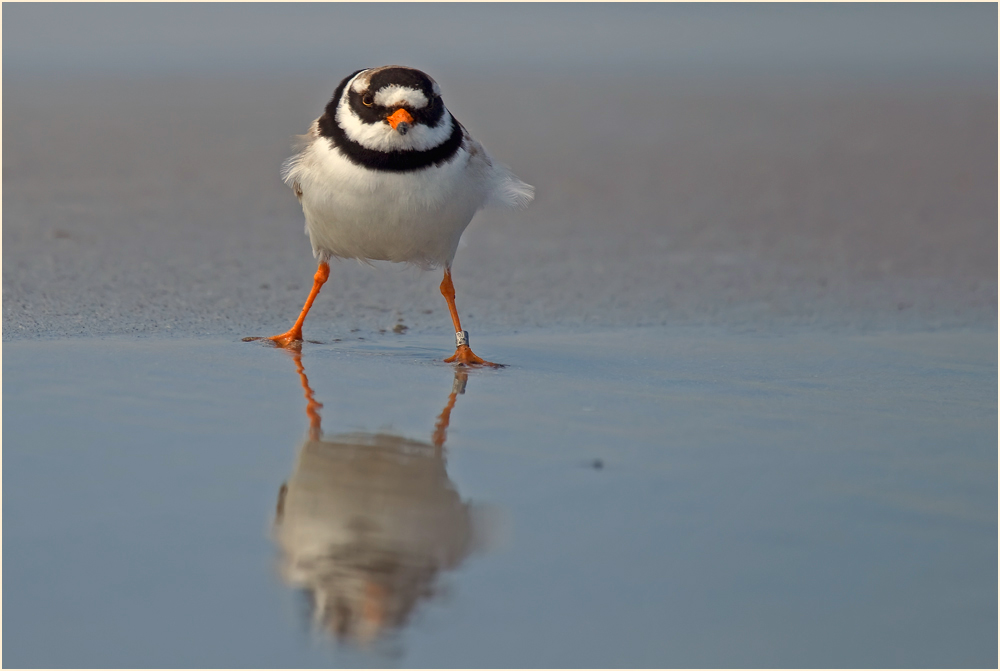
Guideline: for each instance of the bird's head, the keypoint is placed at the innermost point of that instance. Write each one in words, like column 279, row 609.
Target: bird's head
column 392, row 108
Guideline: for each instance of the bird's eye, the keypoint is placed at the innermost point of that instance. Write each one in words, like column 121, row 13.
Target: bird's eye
column 367, row 100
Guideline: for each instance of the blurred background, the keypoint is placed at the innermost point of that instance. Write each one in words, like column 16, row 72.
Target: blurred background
column 752, row 167
column 934, row 40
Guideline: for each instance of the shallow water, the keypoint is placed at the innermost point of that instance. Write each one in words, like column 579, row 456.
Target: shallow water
column 649, row 497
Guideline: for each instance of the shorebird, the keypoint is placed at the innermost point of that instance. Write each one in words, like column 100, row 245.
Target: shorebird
column 388, row 174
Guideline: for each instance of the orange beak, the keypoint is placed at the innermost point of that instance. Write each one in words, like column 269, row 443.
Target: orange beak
column 398, row 117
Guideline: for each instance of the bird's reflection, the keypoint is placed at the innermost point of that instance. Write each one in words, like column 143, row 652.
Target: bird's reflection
column 368, row 521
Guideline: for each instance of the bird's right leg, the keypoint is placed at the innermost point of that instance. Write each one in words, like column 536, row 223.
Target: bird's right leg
column 294, row 334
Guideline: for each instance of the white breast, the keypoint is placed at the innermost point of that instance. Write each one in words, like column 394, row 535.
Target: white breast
column 413, row 217
column 355, row 212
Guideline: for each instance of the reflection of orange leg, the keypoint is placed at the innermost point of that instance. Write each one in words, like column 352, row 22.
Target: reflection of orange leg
column 294, row 334
column 463, row 354
column 441, row 427
column 312, row 406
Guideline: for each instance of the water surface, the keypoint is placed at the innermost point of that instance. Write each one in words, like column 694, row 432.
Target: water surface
column 650, row 497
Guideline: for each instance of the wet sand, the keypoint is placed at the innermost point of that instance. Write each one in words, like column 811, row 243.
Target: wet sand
column 155, row 207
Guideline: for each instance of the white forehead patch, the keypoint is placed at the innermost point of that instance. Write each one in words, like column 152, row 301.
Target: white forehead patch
column 360, row 81
column 394, row 95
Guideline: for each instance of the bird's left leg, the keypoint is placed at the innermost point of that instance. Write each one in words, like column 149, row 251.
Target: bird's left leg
column 463, row 354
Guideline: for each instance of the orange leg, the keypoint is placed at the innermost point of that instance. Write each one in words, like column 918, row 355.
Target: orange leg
column 294, row 334
column 463, row 354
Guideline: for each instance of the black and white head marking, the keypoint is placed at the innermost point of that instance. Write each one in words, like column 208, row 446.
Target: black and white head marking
column 356, row 120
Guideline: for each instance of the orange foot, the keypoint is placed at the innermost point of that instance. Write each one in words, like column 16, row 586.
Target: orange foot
column 289, row 338
column 464, row 355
